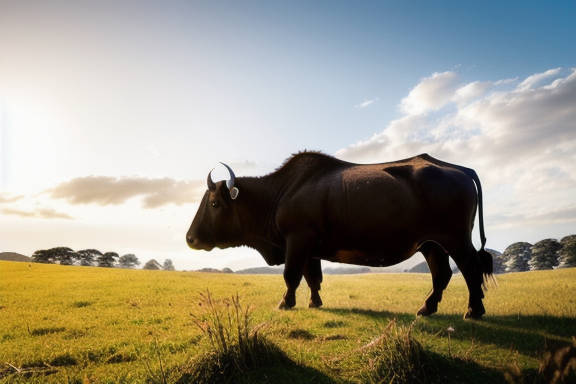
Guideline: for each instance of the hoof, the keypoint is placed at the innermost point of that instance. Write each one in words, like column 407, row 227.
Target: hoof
column 315, row 304
column 283, row 306
column 475, row 315
column 424, row 312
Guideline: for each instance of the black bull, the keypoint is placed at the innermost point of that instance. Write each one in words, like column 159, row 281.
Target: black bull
column 316, row 207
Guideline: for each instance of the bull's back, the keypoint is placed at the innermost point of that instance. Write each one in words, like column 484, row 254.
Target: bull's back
column 405, row 195
column 372, row 196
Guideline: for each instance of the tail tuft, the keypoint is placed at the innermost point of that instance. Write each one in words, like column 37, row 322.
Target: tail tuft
column 487, row 268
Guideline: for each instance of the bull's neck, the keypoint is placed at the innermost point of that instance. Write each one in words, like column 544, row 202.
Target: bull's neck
column 260, row 199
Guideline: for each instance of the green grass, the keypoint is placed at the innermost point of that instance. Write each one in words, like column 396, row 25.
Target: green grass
column 98, row 325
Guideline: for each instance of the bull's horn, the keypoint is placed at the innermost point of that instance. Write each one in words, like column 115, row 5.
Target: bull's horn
column 230, row 182
column 211, row 185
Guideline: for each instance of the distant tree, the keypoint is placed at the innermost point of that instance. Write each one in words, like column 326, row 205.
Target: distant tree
column 64, row 255
column 43, row 256
column 87, row 257
column 517, row 256
column 152, row 265
column 107, row 260
column 128, row 261
column 497, row 261
column 168, row 266
column 227, row 270
column 544, row 255
column 567, row 255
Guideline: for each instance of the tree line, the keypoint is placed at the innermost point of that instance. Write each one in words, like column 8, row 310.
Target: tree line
column 543, row 255
column 95, row 258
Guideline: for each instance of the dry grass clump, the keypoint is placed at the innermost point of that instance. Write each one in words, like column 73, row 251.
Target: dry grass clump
column 556, row 367
column 236, row 346
column 396, row 357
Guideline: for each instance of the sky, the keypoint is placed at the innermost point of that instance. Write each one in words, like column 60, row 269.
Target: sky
column 113, row 113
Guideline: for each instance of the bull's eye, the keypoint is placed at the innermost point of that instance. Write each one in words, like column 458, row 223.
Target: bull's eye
column 215, row 203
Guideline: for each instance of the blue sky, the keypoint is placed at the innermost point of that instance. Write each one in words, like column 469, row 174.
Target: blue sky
column 114, row 112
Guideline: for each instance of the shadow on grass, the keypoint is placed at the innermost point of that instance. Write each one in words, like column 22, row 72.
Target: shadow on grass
column 397, row 356
column 272, row 366
column 526, row 334
column 448, row 370
column 375, row 315
column 286, row 374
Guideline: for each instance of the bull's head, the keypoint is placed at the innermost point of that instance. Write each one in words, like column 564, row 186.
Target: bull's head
column 216, row 223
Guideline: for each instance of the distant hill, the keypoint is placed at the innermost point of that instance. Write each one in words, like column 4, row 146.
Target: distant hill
column 280, row 270
column 212, row 270
column 351, row 270
column 423, row 268
column 420, row 268
column 262, row 271
column 13, row 256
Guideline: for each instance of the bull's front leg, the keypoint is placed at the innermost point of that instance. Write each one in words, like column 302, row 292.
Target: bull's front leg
column 313, row 276
column 297, row 250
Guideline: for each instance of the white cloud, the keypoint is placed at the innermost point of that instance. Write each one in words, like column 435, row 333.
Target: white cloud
column 432, row 93
column 366, row 103
column 520, row 136
column 537, row 80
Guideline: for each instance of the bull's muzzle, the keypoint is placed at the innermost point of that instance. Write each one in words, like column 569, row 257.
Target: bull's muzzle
column 196, row 244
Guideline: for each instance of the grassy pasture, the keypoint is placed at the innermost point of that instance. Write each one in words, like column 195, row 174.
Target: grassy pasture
column 97, row 325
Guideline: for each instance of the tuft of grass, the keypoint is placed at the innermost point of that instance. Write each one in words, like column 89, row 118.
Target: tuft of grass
column 301, row 334
column 556, row 367
column 236, row 346
column 334, row 324
column 63, row 360
column 46, row 331
column 82, row 304
column 396, row 357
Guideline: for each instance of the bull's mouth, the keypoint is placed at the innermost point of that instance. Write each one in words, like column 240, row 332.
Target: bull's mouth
column 199, row 246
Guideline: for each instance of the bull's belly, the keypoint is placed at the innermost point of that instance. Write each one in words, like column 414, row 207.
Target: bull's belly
column 369, row 259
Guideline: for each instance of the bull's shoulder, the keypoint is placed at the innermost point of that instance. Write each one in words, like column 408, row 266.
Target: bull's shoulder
column 309, row 157
column 304, row 165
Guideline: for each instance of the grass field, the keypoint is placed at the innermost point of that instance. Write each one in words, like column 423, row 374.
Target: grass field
column 97, row 325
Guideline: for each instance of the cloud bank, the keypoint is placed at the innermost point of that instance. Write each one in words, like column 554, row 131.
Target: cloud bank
column 41, row 213
column 519, row 135
column 106, row 190
column 12, row 206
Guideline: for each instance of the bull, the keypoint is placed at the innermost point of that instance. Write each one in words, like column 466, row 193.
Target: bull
column 316, row 207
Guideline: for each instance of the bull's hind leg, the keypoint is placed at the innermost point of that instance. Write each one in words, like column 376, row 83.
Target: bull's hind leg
column 439, row 264
column 313, row 276
column 469, row 264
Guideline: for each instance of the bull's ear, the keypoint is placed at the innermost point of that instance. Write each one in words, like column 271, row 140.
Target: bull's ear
column 234, row 193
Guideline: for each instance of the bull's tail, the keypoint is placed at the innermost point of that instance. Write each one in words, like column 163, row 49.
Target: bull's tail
column 484, row 256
